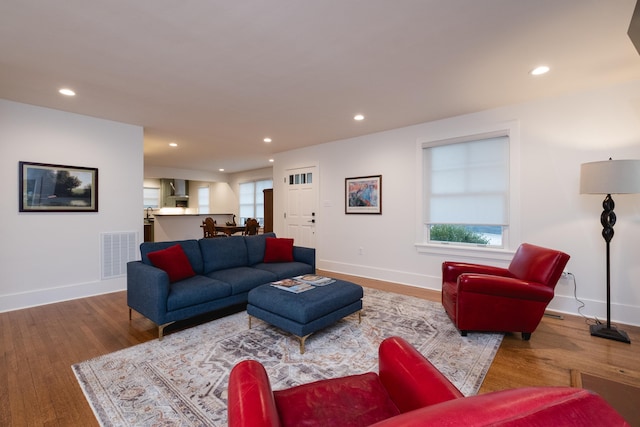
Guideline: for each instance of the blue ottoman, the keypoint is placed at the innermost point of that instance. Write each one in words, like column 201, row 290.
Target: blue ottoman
column 307, row 312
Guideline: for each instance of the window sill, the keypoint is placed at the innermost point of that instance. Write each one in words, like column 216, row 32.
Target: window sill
column 474, row 252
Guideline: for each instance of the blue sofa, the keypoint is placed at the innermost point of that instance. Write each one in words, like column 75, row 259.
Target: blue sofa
column 226, row 269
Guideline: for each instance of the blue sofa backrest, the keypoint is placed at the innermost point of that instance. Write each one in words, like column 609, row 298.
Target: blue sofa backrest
column 190, row 248
column 255, row 247
column 223, row 252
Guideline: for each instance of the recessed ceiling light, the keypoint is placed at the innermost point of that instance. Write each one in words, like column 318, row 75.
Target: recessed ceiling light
column 221, row 169
column 542, row 69
column 67, row 92
column 173, row 144
column 358, row 117
column 267, row 140
column 271, row 160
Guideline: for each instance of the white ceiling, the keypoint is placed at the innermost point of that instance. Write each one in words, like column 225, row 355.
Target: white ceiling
column 218, row 76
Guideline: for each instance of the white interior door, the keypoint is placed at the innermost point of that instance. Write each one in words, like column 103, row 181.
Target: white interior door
column 300, row 216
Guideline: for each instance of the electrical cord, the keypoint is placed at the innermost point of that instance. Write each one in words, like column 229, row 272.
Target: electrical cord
column 587, row 320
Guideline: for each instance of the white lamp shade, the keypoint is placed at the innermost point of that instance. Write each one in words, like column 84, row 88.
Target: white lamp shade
column 610, row 177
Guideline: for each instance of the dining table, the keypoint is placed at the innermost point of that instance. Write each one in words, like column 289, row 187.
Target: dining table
column 230, row 229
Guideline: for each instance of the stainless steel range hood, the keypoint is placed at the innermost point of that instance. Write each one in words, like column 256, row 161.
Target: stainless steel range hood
column 179, row 188
column 175, row 192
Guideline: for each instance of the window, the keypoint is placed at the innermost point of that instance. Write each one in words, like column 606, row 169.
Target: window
column 203, row 199
column 301, row 178
column 151, row 197
column 467, row 190
column 252, row 200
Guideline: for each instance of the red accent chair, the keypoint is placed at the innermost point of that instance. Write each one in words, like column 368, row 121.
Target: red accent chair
column 409, row 391
column 485, row 298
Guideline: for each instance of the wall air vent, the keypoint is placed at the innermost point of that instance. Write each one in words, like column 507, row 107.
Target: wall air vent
column 117, row 250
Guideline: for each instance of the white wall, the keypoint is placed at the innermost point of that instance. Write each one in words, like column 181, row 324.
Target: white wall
column 556, row 136
column 53, row 257
column 50, row 257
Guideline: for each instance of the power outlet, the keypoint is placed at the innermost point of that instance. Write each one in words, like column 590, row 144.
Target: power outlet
column 565, row 275
column 360, row 250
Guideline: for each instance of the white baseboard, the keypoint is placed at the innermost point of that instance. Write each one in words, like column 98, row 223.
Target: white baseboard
column 620, row 313
column 388, row 275
column 628, row 315
column 17, row 301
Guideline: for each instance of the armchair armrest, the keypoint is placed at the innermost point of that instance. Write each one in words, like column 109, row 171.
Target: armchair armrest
column 539, row 406
column 507, row 287
column 410, row 379
column 305, row 255
column 451, row 270
column 250, row 398
column 147, row 290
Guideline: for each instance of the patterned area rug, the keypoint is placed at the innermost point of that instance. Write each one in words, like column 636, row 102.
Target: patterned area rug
column 182, row 380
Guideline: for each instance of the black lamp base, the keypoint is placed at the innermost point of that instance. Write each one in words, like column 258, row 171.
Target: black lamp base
column 611, row 333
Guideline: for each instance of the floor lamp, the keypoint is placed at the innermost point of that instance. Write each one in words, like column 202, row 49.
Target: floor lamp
column 609, row 177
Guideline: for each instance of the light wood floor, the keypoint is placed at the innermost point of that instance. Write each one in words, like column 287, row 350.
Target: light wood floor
column 39, row 345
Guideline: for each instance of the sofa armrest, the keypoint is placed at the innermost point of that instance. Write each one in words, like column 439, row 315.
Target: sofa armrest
column 451, row 270
column 147, row 290
column 250, row 401
column 504, row 286
column 305, row 255
column 410, row 379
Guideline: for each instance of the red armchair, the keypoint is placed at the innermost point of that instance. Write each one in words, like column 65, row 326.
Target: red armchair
column 409, row 391
column 485, row 298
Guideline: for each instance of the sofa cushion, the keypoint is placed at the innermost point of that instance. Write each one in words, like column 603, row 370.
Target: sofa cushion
column 222, row 253
column 174, row 261
column 190, row 247
column 283, row 270
column 196, row 290
column 278, row 250
column 255, row 247
column 356, row 400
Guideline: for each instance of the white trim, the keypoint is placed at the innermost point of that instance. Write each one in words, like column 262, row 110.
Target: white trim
column 385, row 274
column 34, row 298
column 466, row 252
column 511, row 237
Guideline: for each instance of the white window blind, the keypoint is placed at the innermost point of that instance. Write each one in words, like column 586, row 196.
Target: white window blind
column 467, row 182
column 252, row 199
column 151, row 197
column 203, row 199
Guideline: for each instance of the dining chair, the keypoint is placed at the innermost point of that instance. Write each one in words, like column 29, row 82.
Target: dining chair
column 251, row 227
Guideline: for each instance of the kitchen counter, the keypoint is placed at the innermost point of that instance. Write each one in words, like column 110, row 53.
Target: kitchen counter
column 178, row 226
column 226, row 215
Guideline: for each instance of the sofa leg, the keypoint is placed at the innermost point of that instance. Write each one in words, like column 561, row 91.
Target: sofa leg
column 161, row 330
column 129, row 314
column 302, row 341
column 463, row 333
column 526, row 336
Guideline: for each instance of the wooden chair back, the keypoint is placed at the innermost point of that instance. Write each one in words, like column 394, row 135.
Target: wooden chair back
column 251, row 227
column 209, row 227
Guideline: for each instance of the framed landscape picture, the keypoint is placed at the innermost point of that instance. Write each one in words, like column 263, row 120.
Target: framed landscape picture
column 363, row 195
column 57, row 188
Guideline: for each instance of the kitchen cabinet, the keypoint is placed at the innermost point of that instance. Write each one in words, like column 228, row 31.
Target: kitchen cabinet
column 268, row 210
column 148, row 231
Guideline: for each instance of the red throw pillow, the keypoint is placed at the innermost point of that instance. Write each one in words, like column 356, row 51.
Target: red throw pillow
column 174, row 261
column 278, row 250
